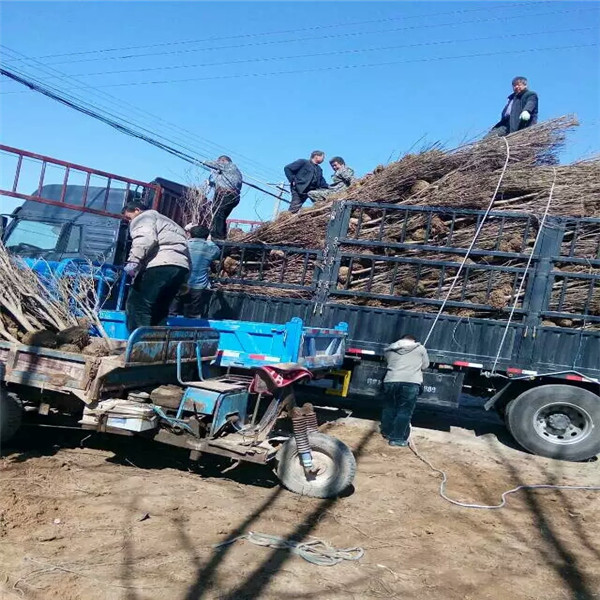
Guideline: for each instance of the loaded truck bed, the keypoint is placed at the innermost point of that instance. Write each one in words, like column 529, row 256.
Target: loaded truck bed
column 535, row 358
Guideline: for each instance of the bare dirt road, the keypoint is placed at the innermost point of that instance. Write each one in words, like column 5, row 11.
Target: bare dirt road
column 120, row 519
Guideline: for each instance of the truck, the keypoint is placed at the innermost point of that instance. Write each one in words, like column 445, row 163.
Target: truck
column 536, row 361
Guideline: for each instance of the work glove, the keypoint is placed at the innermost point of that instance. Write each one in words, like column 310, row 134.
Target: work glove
column 525, row 116
column 131, row 269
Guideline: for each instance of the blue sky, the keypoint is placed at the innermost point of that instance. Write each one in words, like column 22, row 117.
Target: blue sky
column 438, row 71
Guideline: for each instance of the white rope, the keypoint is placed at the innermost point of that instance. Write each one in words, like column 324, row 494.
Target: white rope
column 524, row 277
column 534, row 486
column 315, row 551
column 466, row 256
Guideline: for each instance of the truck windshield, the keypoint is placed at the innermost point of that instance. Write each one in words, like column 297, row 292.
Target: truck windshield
column 29, row 237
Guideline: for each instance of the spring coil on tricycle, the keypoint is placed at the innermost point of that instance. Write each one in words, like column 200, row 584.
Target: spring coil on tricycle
column 311, row 417
column 304, row 421
column 300, row 427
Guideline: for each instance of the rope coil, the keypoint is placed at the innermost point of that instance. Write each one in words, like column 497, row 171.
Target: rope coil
column 315, row 551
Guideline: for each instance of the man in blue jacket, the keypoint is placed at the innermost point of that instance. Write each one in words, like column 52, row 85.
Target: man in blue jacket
column 202, row 253
column 305, row 175
column 521, row 110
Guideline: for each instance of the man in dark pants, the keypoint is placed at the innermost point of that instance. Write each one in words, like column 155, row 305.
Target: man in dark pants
column 304, row 176
column 158, row 262
column 202, row 254
column 406, row 360
column 226, row 181
column 521, row 110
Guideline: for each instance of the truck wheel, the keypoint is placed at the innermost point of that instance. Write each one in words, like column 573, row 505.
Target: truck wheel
column 557, row 421
column 11, row 413
column 506, row 412
column 333, row 460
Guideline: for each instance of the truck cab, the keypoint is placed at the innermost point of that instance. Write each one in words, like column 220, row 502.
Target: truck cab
column 52, row 233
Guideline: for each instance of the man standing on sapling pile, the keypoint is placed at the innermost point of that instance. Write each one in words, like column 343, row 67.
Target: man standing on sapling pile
column 406, row 361
column 521, row 110
column 158, row 262
column 305, row 175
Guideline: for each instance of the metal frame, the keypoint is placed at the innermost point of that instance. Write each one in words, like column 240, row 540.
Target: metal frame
column 69, row 167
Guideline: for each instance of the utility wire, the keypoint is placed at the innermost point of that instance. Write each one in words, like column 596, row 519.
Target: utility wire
column 151, row 117
column 116, row 125
column 502, row 18
column 347, row 67
column 332, row 53
column 487, row 8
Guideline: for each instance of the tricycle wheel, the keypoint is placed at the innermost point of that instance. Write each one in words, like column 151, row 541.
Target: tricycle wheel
column 334, row 464
column 11, row 413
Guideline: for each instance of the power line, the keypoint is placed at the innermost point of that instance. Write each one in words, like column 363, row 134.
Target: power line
column 321, row 37
column 115, row 124
column 345, row 67
column 333, row 52
column 153, row 118
column 279, row 32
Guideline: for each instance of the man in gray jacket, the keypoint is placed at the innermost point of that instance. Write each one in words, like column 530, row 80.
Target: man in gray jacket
column 406, row 360
column 158, row 262
column 226, row 181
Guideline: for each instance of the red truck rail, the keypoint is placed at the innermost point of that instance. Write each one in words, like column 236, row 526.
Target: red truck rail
column 15, row 160
column 244, row 224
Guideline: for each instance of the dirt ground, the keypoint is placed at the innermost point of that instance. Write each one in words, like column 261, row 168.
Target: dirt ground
column 108, row 518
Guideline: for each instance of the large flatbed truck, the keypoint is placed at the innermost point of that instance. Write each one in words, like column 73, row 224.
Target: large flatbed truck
column 536, row 360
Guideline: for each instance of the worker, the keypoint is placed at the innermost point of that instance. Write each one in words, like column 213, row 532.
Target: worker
column 305, row 175
column 202, row 253
column 521, row 110
column 226, row 182
column 158, row 263
column 406, row 360
column 342, row 178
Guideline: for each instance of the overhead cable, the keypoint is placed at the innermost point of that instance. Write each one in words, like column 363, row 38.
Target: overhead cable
column 502, row 18
column 118, row 126
column 486, row 8
column 348, row 67
column 153, row 119
column 332, row 52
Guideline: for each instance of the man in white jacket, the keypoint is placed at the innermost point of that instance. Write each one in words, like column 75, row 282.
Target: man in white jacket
column 406, row 360
column 158, row 262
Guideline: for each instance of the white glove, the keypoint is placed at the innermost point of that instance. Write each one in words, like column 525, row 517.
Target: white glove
column 525, row 116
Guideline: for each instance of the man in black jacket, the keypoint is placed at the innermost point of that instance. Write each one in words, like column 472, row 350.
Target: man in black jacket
column 520, row 111
column 304, row 176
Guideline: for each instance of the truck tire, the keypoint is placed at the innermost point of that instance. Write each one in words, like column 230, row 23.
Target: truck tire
column 334, row 461
column 557, row 421
column 11, row 413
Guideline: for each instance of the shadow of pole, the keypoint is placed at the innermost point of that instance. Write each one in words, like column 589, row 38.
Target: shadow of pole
column 126, row 577
column 556, row 554
column 258, row 580
column 206, row 574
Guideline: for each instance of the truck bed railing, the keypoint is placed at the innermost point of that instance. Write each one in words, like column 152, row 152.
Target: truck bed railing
column 288, row 267
column 30, row 169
